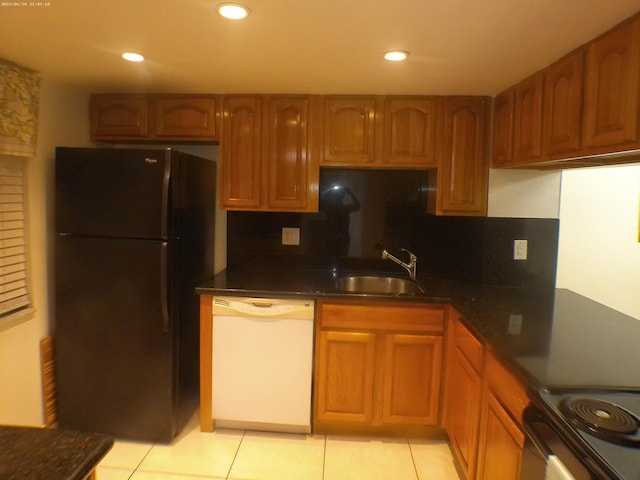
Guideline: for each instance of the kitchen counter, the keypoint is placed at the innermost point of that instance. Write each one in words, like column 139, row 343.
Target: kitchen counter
column 550, row 337
column 37, row 453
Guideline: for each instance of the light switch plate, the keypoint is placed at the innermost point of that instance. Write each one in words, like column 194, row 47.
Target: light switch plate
column 290, row 236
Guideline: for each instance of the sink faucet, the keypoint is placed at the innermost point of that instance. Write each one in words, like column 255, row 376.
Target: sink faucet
column 409, row 267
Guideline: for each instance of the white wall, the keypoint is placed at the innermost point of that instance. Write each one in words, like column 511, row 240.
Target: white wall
column 63, row 120
column 599, row 253
column 523, row 194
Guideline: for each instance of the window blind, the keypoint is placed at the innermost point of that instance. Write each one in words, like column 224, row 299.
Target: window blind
column 14, row 293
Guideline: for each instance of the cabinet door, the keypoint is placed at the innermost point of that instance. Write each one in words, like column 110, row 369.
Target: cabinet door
column 612, row 89
column 186, row 117
column 349, row 130
column 464, row 391
column 463, row 172
column 563, row 90
column 346, row 367
column 503, row 128
column 241, row 152
column 527, row 129
column 287, row 153
column 410, row 131
column 119, row 116
column 501, row 443
column 412, row 371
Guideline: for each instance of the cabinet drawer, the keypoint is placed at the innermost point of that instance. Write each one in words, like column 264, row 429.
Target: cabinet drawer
column 382, row 316
column 506, row 388
column 469, row 346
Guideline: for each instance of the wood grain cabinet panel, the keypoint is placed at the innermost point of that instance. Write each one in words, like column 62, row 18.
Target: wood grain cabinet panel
column 465, row 359
column 186, row 117
column 501, row 443
column 527, row 129
column 241, row 152
column 563, row 92
column 612, row 89
column 410, row 131
column 119, row 116
column 503, row 105
column 464, row 170
column 287, row 153
column 344, row 391
column 376, row 378
column 413, row 367
column 349, row 130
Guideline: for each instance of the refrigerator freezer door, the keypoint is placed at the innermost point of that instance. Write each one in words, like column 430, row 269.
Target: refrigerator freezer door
column 114, row 360
column 113, row 192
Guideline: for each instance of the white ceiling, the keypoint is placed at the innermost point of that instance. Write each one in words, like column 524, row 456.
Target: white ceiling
column 300, row 46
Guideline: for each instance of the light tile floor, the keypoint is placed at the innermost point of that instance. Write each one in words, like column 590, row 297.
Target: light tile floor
column 238, row 455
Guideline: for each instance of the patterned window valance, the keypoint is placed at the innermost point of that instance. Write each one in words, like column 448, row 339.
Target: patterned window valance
column 19, row 100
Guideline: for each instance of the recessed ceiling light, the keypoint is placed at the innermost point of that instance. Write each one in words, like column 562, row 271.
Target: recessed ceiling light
column 132, row 57
column 233, row 11
column 396, row 55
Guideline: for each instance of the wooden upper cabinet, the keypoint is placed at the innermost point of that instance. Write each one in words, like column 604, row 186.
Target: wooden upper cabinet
column 154, row 118
column 118, row 116
column 241, row 152
column 527, row 128
column 186, row 117
column 266, row 154
column 410, row 131
column 563, row 91
column 612, row 88
column 287, row 153
column 349, row 130
column 503, row 128
column 464, row 170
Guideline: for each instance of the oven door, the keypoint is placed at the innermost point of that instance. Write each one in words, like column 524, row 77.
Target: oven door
column 546, row 455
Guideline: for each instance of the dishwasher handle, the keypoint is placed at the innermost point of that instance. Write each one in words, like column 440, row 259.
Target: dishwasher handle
column 302, row 309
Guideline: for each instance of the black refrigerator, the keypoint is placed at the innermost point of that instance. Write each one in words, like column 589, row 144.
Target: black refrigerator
column 134, row 237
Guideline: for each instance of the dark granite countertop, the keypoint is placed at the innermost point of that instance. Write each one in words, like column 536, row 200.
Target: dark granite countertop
column 550, row 337
column 29, row 453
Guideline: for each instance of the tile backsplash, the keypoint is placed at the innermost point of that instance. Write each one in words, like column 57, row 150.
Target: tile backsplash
column 363, row 211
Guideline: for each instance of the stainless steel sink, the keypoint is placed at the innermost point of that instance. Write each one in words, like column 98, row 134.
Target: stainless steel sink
column 378, row 285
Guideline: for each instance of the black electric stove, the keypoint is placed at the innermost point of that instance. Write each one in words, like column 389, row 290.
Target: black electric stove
column 600, row 427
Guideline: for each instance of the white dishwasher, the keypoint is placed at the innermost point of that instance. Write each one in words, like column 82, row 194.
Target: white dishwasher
column 262, row 363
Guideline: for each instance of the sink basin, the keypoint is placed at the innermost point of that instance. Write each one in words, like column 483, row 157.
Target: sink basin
column 378, row 285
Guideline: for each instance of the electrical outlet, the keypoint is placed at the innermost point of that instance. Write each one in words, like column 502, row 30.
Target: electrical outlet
column 520, row 249
column 515, row 324
column 290, row 236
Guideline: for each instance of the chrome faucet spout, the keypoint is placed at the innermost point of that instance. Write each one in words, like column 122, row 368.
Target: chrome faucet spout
column 409, row 267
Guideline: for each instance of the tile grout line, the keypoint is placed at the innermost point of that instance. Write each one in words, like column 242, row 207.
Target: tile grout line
column 244, row 432
column 142, row 460
column 324, row 456
column 413, row 460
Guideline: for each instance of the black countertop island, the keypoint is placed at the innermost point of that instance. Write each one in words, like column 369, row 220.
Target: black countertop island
column 550, row 337
column 28, row 453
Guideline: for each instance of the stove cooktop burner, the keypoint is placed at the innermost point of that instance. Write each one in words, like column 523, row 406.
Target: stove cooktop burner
column 603, row 419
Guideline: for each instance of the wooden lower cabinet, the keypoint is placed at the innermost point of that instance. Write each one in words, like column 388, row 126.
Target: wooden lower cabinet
column 463, row 392
column 344, row 391
column 371, row 378
column 501, row 442
column 482, row 408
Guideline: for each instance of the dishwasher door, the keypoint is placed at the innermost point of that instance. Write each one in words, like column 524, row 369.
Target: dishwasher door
column 262, row 363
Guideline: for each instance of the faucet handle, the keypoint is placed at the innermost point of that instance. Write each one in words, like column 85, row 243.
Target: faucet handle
column 411, row 255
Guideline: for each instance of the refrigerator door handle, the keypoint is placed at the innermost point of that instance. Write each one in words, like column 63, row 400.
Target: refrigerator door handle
column 164, row 209
column 164, row 290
